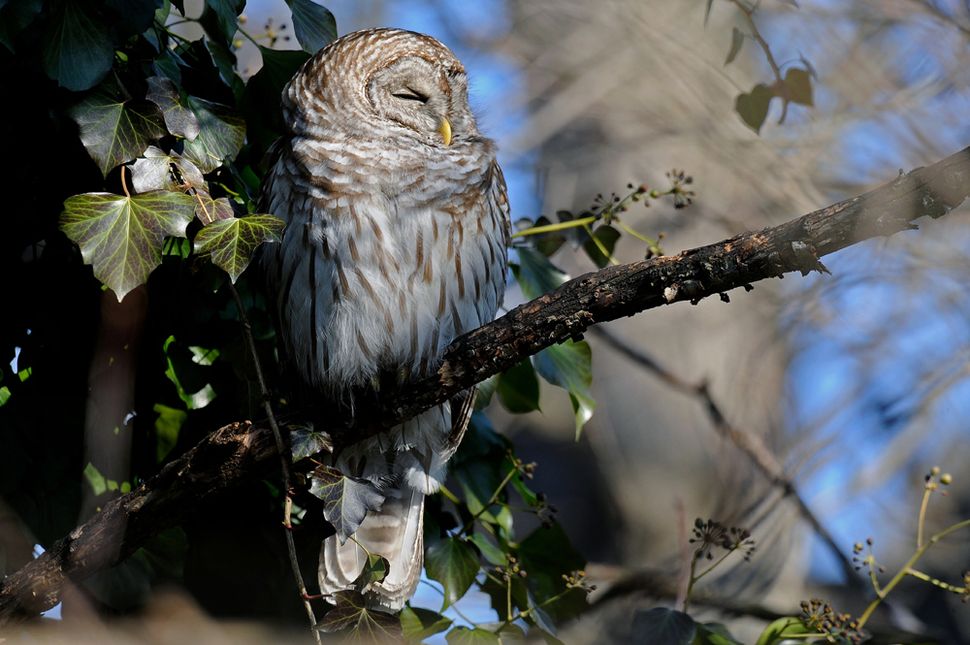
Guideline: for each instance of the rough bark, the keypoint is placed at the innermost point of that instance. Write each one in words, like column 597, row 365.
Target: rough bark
column 240, row 451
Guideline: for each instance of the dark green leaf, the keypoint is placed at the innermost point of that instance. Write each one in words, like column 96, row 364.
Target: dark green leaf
column 351, row 615
column 569, row 365
column 346, row 500
column 314, row 25
column 527, row 494
column 231, row 242
column 225, row 62
column 133, row 16
column 454, row 564
column 492, row 554
column 538, row 615
column 714, row 634
column 78, row 48
column 15, row 16
column 418, row 624
column 220, row 18
column 261, row 100
column 753, row 107
column 781, row 629
column 737, row 40
column 115, row 129
column 122, row 237
column 518, row 388
column 213, row 210
column 536, row 274
column 306, row 442
column 221, row 136
column 179, row 119
column 484, row 392
column 663, row 626
column 468, row 636
column 154, row 171
column 167, row 428
column 375, row 571
column 607, row 237
column 798, row 84
column 547, row 243
column 190, row 380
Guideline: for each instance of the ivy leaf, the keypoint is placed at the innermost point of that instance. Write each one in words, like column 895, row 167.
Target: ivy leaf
column 261, row 100
column 167, row 428
column 78, row 49
column 798, row 84
column 547, row 243
column 569, row 365
column 454, row 564
column 315, row 26
column 418, row 624
column 375, row 571
column 663, row 626
column 153, row 171
column 346, row 500
column 607, row 236
column 231, row 242
column 737, row 40
column 190, row 381
column 468, row 636
column 179, row 119
column 518, row 388
column 753, row 106
column 362, row 624
column 221, row 135
column 220, row 18
column 535, row 274
column 208, row 209
column 306, row 442
column 122, row 237
column 133, row 16
column 15, row 17
column 492, row 554
column 114, row 128
column 484, row 392
column 714, row 634
column 781, row 630
column 225, row 63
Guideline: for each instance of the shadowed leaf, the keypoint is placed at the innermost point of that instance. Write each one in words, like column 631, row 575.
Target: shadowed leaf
column 346, row 500
column 122, row 237
column 798, row 82
column 536, row 274
column 221, row 135
column 753, row 107
column 607, row 236
column 518, row 388
column 305, row 442
column 569, row 365
column 418, row 624
column 16, row 16
column 714, row 634
column 115, row 129
column 375, row 570
column 663, row 626
column 231, row 242
column 220, row 18
column 454, row 564
column 737, row 40
column 467, row 636
column 78, row 49
column 315, row 26
column 179, row 119
column 261, row 100
column 351, row 616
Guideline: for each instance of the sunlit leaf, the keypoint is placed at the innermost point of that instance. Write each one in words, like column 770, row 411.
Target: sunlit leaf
column 189, row 378
column 95, row 479
column 737, row 40
column 454, row 564
column 352, row 616
column 663, row 626
column 179, row 119
column 418, row 623
column 518, row 388
column 569, row 365
column 781, row 630
column 315, row 26
column 375, row 570
column 221, row 135
column 753, row 106
column 468, row 636
column 115, row 128
column 606, row 236
column 168, row 424
column 798, row 83
column 78, row 50
column 122, row 237
column 492, row 554
column 231, row 242
column 153, row 171
column 346, row 500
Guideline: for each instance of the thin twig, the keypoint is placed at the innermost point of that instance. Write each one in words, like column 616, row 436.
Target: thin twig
column 749, row 443
column 285, row 456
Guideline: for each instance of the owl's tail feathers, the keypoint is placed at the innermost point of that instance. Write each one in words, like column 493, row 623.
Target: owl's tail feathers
column 395, row 532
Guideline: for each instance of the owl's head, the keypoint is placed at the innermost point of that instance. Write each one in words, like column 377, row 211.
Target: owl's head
column 389, row 82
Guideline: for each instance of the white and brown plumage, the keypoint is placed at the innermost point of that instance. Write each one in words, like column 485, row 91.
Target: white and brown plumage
column 397, row 227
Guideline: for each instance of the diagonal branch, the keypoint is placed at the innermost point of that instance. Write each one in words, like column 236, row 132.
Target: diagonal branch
column 240, row 451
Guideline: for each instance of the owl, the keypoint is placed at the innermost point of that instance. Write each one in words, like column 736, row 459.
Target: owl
column 396, row 237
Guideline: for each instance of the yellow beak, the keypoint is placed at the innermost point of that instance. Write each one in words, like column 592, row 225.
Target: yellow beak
column 445, row 129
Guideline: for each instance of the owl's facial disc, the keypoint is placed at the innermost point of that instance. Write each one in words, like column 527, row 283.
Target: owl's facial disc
column 418, row 94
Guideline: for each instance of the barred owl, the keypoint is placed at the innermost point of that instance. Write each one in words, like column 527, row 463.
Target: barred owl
column 396, row 236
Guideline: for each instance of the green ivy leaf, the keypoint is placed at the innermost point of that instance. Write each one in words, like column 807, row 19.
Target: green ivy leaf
column 315, row 26
column 467, row 636
column 662, row 625
column 362, row 624
column 798, row 83
column 375, row 571
column 78, row 49
column 346, row 500
column 535, row 274
column 231, row 242
column 607, row 236
column 547, row 554
column 753, row 106
column 714, row 634
column 15, row 17
column 208, row 209
column 225, row 62
column 179, row 119
column 133, row 16
column 220, row 18
column 454, row 564
column 547, row 243
column 221, row 135
column 306, row 442
column 569, row 365
column 153, row 171
column 418, row 624
column 122, row 237
column 518, row 388
column 261, row 100
column 190, row 381
column 168, row 424
column 492, row 554
column 737, row 40
column 781, row 629
column 115, row 128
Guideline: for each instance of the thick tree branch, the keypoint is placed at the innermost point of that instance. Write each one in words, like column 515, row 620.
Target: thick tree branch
column 238, row 452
